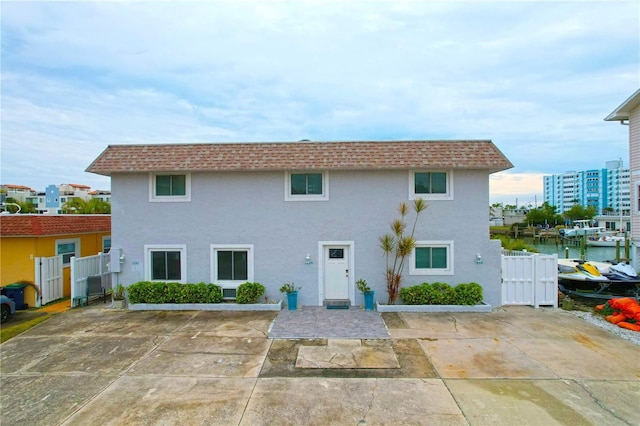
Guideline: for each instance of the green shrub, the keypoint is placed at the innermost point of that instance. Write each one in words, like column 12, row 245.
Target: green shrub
column 468, row 294
column 249, row 292
column 412, row 295
column 163, row 292
column 146, row 292
column 442, row 294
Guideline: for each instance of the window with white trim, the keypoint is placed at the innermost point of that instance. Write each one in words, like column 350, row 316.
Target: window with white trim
column 166, row 262
column 432, row 258
column 68, row 249
column 106, row 244
column 231, row 264
column 169, row 187
column 306, row 186
column 431, row 184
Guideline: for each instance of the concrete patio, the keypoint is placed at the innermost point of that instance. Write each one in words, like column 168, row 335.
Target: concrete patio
column 517, row 365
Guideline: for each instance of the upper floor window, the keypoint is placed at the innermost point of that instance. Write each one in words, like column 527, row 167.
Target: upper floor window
column 170, row 187
column 68, row 249
column 165, row 262
column 431, row 185
column 306, row 186
column 432, row 258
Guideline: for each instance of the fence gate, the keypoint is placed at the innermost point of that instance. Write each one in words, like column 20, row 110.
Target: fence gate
column 529, row 279
column 49, row 279
column 90, row 266
column 546, row 276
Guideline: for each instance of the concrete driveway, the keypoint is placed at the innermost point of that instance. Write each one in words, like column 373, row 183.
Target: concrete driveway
column 515, row 366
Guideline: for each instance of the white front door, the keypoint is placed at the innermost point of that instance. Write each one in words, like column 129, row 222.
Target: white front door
column 336, row 272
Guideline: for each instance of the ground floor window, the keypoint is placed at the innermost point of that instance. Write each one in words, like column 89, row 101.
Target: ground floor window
column 166, row 263
column 106, row 244
column 68, row 249
column 432, row 258
column 231, row 264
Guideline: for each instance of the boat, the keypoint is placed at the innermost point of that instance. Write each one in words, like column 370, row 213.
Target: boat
column 581, row 228
column 599, row 280
column 605, row 240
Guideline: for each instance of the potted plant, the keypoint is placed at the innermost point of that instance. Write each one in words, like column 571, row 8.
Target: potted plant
column 367, row 293
column 292, row 295
column 119, row 301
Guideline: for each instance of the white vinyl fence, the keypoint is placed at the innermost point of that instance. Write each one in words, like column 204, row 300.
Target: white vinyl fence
column 83, row 268
column 529, row 279
column 48, row 273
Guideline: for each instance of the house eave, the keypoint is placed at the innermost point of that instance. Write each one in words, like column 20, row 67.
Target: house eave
column 624, row 110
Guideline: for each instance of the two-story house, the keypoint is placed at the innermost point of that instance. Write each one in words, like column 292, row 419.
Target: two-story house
column 629, row 113
column 304, row 212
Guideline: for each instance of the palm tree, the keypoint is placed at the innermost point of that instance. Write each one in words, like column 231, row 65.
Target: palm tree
column 398, row 246
column 77, row 205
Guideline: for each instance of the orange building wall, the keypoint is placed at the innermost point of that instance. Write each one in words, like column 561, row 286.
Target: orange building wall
column 17, row 258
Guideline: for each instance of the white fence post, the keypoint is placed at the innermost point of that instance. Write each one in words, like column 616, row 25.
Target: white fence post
column 74, row 290
column 38, row 275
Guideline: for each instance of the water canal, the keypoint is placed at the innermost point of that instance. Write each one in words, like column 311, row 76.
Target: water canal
column 598, row 254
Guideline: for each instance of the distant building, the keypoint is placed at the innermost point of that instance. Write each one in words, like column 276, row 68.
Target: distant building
column 52, row 199
column 605, row 189
column 500, row 216
column 101, row 195
column 17, row 192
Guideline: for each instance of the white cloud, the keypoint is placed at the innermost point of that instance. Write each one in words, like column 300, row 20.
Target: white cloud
column 535, row 77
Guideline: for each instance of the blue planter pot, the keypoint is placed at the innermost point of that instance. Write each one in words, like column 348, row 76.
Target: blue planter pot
column 292, row 301
column 368, row 300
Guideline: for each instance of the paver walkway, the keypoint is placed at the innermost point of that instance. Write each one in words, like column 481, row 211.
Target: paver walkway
column 318, row 322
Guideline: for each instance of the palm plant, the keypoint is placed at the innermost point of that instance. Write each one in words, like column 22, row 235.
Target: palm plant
column 77, row 205
column 398, row 245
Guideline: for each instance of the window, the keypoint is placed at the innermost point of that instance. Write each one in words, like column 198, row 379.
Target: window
column 169, row 187
column 302, row 186
column 231, row 264
column 430, row 185
column 166, row 263
column 68, row 249
column 432, row 258
column 106, row 244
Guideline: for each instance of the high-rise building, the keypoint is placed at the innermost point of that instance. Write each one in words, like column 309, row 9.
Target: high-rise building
column 605, row 189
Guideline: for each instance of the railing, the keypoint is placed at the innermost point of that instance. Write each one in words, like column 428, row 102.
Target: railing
column 516, row 253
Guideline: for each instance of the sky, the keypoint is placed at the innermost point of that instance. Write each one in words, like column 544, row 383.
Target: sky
column 536, row 78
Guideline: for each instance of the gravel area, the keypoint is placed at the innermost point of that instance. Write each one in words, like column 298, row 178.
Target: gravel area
column 597, row 320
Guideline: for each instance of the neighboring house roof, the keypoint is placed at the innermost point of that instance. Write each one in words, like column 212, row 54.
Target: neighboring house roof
column 624, row 110
column 16, row 225
column 9, row 186
column 365, row 155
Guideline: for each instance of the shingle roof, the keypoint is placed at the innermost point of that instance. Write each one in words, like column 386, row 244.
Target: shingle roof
column 254, row 156
column 34, row 225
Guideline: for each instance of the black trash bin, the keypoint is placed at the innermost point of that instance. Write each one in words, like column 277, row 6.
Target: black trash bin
column 15, row 292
